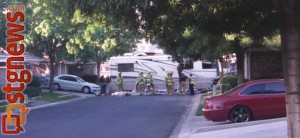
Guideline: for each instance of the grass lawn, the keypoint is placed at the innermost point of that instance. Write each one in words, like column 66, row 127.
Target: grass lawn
column 2, row 109
column 2, row 106
column 199, row 110
column 55, row 97
column 3, row 103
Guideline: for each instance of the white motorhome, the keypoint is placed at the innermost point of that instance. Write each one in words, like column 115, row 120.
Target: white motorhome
column 130, row 65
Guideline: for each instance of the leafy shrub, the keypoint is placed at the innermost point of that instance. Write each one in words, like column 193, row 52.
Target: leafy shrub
column 30, row 91
column 2, row 94
column 33, row 91
column 229, row 82
column 90, row 78
column 35, row 82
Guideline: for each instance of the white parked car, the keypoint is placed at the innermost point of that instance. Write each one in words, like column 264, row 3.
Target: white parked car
column 72, row 82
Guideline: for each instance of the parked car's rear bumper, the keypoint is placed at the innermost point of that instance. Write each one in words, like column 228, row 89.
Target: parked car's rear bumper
column 215, row 115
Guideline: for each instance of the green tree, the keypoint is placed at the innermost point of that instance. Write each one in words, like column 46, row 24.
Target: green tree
column 48, row 26
column 97, row 39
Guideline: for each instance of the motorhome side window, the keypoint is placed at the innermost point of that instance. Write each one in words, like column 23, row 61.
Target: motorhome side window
column 188, row 65
column 128, row 67
column 208, row 65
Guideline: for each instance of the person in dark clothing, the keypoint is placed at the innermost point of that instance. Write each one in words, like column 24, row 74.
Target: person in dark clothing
column 191, row 84
column 103, row 85
column 107, row 82
column 182, row 80
column 107, row 79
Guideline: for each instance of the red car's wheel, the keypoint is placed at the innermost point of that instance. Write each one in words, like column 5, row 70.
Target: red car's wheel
column 240, row 114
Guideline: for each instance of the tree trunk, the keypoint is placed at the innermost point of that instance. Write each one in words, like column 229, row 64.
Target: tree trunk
column 240, row 68
column 290, row 40
column 239, row 51
column 51, row 50
column 221, row 62
column 179, row 71
column 98, row 71
column 52, row 73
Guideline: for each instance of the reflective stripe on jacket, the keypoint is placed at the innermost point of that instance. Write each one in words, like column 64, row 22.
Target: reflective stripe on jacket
column 141, row 80
column 169, row 80
column 192, row 80
column 120, row 80
column 149, row 79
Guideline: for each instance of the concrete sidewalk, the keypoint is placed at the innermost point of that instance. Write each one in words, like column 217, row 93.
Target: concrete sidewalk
column 268, row 130
column 192, row 126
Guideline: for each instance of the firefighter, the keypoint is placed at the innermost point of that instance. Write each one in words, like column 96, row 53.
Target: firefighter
column 120, row 82
column 141, row 83
column 169, row 83
column 191, row 84
column 149, row 83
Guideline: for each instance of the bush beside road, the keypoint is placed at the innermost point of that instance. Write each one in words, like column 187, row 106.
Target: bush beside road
column 2, row 106
column 201, row 103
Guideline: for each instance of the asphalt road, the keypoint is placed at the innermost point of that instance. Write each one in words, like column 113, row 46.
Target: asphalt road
column 108, row 117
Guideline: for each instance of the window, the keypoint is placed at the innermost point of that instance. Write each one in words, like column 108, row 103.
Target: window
column 129, row 67
column 68, row 78
column 188, row 64
column 254, row 89
column 265, row 88
column 72, row 79
column 63, row 77
column 208, row 65
column 81, row 80
column 235, row 88
column 274, row 87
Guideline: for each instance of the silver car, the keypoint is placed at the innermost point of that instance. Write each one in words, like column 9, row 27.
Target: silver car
column 72, row 82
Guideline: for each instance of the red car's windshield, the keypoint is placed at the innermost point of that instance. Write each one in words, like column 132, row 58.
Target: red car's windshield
column 235, row 88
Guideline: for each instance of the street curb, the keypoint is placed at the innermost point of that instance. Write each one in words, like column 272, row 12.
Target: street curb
column 52, row 104
column 56, row 103
column 184, row 117
column 235, row 125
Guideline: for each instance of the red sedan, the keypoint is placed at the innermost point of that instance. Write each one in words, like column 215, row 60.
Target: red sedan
column 252, row 100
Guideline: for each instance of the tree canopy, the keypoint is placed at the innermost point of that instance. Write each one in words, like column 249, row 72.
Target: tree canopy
column 54, row 33
column 178, row 26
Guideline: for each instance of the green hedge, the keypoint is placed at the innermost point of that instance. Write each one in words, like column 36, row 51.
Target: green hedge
column 2, row 95
column 90, row 78
column 229, row 81
column 33, row 91
column 35, row 82
column 30, row 91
